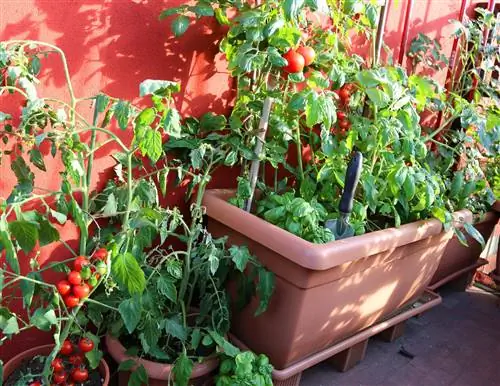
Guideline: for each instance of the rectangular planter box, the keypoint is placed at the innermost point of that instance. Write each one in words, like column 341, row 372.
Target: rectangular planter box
column 460, row 260
column 326, row 293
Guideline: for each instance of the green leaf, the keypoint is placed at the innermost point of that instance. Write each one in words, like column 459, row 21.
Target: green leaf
column 47, row 232
column 372, row 15
column 240, row 255
column 182, row 370
column 292, row 8
column 25, row 233
column 180, row 25
column 379, row 98
column 474, row 233
column 409, row 187
column 28, row 289
column 127, row 271
column 175, row 328
column 122, row 112
column 146, row 117
column 130, row 311
column 23, row 174
column 265, row 289
column 172, row 124
column 457, row 184
column 203, row 10
column 313, row 111
column 227, row 347
column 9, row 326
column 212, row 122
column 111, row 208
column 270, row 29
column 158, row 87
column 430, row 195
column 461, row 237
column 163, row 181
column 151, row 145
column 61, row 218
column 127, row 365
column 138, row 377
column 6, row 243
column 43, row 319
column 167, row 288
column 101, row 102
column 36, row 159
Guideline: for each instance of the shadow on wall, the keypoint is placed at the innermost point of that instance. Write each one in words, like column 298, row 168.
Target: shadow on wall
column 112, row 46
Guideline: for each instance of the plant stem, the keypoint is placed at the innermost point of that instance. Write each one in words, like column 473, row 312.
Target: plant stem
column 130, row 190
column 86, row 180
column 299, row 152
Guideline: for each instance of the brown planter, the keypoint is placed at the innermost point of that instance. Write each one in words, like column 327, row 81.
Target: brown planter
column 460, row 261
column 16, row 361
column 326, row 293
column 160, row 373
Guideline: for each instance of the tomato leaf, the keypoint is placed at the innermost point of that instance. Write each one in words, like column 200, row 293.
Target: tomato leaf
column 128, row 273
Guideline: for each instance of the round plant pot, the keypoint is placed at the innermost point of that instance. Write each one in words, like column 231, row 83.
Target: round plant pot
column 16, row 361
column 160, row 373
column 326, row 293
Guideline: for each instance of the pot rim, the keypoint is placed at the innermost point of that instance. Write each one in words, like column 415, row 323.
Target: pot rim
column 103, row 366
column 319, row 257
column 157, row 370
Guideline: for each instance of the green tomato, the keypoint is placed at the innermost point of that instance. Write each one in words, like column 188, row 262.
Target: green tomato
column 101, row 267
column 93, row 281
column 85, row 273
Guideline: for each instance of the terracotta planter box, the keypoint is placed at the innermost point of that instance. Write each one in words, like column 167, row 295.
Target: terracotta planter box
column 460, row 261
column 160, row 374
column 16, row 361
column 326, row 293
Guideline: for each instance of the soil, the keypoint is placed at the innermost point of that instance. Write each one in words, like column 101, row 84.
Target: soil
column 21, row 377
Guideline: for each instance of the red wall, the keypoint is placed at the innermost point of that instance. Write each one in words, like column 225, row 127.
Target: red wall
column 113, row 45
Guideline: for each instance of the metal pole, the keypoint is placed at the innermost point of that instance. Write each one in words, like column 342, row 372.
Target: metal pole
column 380, row 31
column 406, row 31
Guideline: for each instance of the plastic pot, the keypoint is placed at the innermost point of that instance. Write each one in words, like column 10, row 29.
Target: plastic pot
column 459, row 260
column 160, row 373
column 326, row 293
column 16, row 361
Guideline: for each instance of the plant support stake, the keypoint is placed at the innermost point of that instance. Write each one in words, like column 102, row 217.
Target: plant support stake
column 261, row 137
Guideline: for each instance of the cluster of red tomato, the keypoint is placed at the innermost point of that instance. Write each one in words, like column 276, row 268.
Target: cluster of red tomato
column 344, row 94
column 298, row 59
column 84, row 276
column 74, row 359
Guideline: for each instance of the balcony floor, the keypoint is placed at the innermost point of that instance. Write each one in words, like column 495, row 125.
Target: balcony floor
column 456, row 343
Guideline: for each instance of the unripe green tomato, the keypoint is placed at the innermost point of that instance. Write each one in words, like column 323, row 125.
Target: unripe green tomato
column 101, row 267
column 85, row 273
column 93, row 281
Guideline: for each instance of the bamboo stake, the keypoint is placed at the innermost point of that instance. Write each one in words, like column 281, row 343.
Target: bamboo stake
column 261, row 137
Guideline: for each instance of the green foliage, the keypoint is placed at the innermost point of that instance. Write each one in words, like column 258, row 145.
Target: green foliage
column 244, row 369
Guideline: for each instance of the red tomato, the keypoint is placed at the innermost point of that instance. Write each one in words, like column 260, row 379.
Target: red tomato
column 57, row 365
column 344, row 94
column 71, row 301
column 101, row 254
column 345, row 124
column 59, row 378
column 79, row 375
column 295, row 61
column 74, row 277
column 80, row 262
column 63, row 287
column 308, row 53
column 81, row 291
column 356, row 16
column 66, row 348
column 76, row 359
column 341, row 115
column 35, row 383
column 86, row 344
